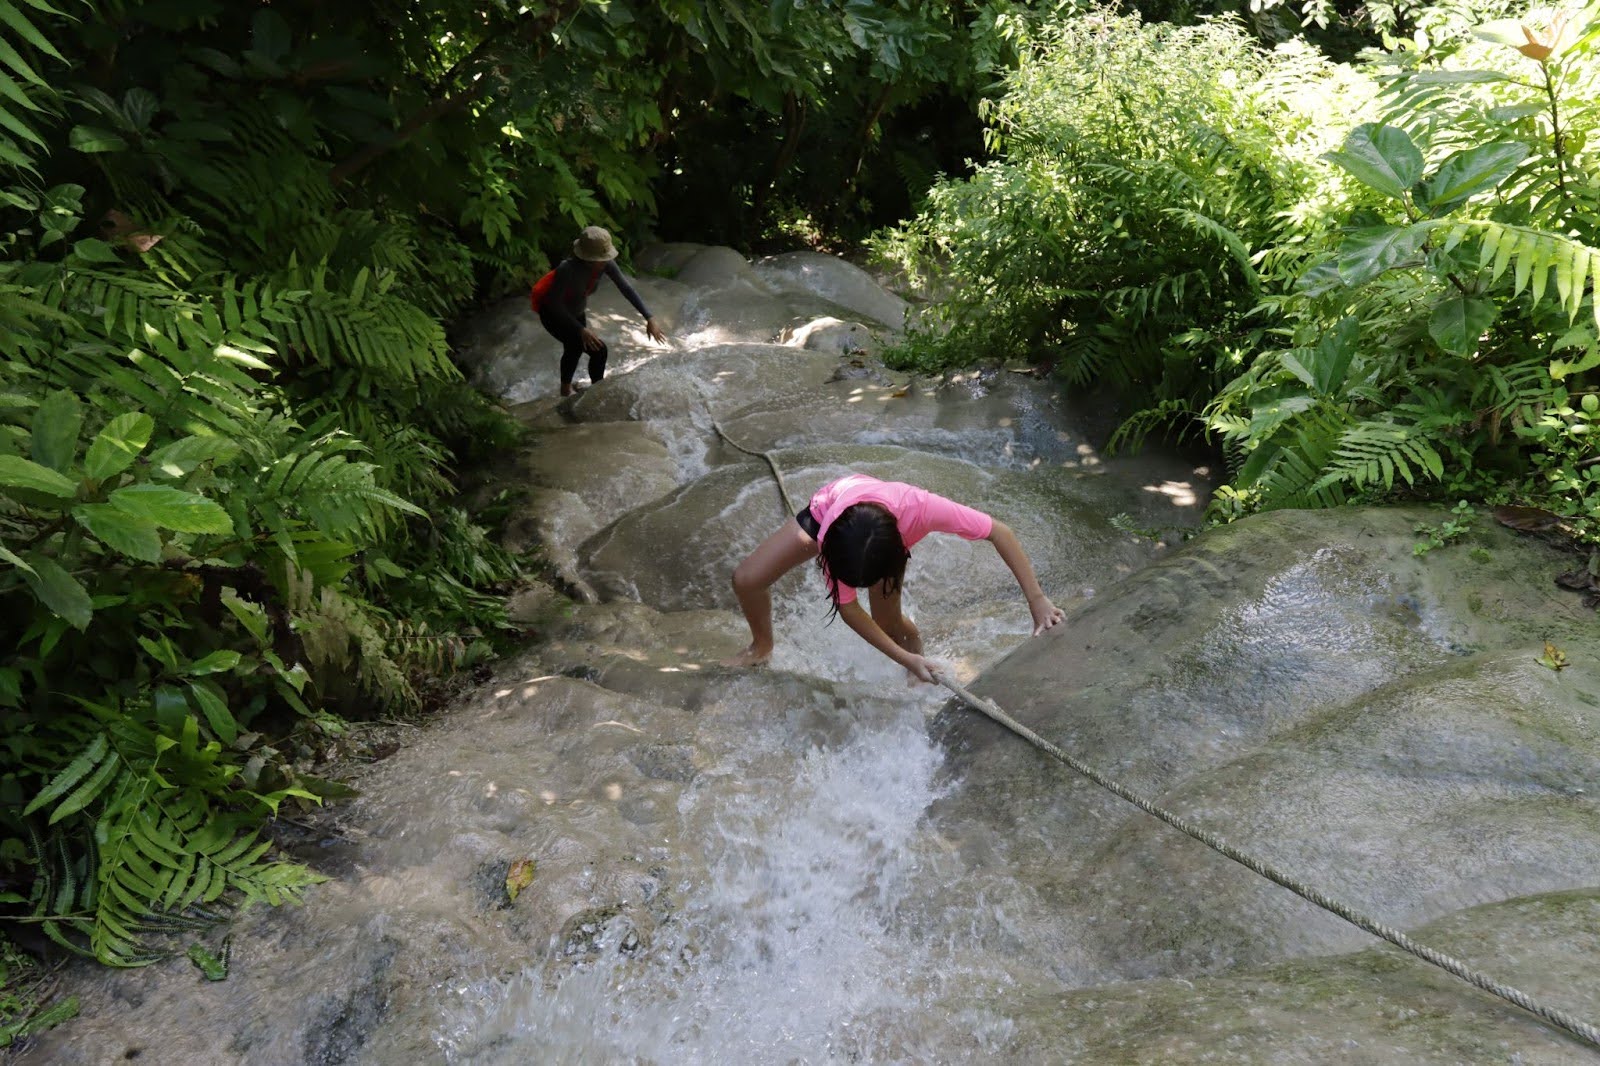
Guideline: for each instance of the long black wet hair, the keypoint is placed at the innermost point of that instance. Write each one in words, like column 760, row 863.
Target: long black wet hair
column 862, row 547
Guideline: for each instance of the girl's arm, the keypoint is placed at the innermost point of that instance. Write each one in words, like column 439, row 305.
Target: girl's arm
column 856, row 617
column 1046, row 615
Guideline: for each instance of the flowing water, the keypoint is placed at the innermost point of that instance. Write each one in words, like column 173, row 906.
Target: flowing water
column 806, row 863
column 805, row 832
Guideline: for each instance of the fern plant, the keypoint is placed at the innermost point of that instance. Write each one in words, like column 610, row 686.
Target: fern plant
column 153, row 850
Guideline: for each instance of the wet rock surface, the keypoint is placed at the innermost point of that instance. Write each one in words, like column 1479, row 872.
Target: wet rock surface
column 815, row 862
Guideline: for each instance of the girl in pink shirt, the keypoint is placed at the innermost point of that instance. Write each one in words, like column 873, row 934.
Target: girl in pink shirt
column 860, row 531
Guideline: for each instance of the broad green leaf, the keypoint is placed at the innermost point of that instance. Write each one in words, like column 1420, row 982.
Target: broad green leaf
column 55, row 430
column 94, row 250
column 14, row 559
column 181, row 457
column 116, row 446
column 21, row 473
column 1293, row 362
column 1334, row 353
column 95, row 139
column 162, row 651
column 1560, row 369
column 250, row 615
column 1366, row 253
column 1513, row 112
column 1459, row 321
column 173, row 718
column 172, row 508
column 1501, row 31
column 270, row 35
column 214, row 706
column 1456, row 77
column 139, row 106
column 129, row 534
column 1258, row 463
column 58, row 590
column 1266, row 417
column 1320, row 279
column 1382, row 157
column 1465, row 174
column 215, row 663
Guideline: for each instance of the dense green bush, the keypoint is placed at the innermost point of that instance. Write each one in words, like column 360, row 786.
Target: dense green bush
column 1153, row 184
column 227, row 422
column 1356, row 279
column 1447, row 338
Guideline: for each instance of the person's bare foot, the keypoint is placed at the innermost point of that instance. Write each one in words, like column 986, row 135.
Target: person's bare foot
column 569, row 389
column 751, row 656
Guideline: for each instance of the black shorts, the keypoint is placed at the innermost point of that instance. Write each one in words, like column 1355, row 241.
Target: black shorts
column 808, row 523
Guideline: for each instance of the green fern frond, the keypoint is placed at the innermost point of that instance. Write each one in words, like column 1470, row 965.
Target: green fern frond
column 1374, row 452
column 331, row 491
column 365, row 327
column 24, row 91
column 1535, row 257
column 1169, row 414
column 343, row 636
column 1297, row 454
column 1222, row 235
column 1084, row 356
column 1168, row 291
column 174, row 852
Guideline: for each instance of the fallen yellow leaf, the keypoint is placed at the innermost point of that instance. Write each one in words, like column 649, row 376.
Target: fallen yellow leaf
column 519, row 877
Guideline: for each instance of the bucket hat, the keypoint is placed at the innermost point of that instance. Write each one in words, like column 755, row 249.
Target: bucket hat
column 594, row 244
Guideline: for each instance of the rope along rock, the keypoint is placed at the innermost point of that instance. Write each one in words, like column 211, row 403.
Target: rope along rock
column 789, row 509
column 1560, row 1019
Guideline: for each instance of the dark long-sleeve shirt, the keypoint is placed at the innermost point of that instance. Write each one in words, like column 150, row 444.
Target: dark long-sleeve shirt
column 575, row 279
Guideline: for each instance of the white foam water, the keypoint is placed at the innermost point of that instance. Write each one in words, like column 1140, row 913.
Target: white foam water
column 790, row 952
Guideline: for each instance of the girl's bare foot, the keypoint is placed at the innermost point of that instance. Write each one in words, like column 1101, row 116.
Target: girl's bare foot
column 751, row 656
column 569, row 389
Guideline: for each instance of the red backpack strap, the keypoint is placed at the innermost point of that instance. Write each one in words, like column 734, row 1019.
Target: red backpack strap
column 540, row 290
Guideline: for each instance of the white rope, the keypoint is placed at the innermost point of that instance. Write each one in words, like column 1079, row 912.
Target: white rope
column 1576, row 1026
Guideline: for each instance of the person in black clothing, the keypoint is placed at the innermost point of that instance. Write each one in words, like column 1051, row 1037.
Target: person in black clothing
column 562, row 295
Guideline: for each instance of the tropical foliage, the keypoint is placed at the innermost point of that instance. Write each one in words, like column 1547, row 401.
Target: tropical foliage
column 226, row 411
column 1359, row 281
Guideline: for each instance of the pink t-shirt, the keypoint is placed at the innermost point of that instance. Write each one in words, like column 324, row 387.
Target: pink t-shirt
column 917, row 512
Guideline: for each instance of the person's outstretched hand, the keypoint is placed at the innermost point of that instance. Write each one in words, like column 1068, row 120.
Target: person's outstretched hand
column 1046, row 615
column 921, row 669
column 653, row 331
